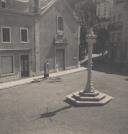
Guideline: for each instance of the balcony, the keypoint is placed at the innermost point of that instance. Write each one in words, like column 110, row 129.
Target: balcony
column 115, row 26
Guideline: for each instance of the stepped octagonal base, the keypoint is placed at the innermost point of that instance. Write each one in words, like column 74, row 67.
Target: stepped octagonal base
column 88, row 99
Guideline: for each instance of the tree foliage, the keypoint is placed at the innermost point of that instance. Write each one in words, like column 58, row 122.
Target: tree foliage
column 86, row 11
column 102, row 41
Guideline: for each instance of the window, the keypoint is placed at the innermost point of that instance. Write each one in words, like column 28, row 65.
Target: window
column 105, row 11
column 119, row 36
column 113, row 37
column 6, row 64
column 60, row 24
column 6, row 34
column 98, row 11
column 24, row 35
column 119, row 17
column 114, row 19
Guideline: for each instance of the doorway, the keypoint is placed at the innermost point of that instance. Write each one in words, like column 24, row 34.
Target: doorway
column 60, row 60
column 24, row 65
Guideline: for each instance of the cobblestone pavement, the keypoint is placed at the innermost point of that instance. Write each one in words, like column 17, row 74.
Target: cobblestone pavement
column 39, row 108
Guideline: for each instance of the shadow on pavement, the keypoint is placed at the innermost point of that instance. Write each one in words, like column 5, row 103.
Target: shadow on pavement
column 55, row 79
column 101, row 64
column 53, row 113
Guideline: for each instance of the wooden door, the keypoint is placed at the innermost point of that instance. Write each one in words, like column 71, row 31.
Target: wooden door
column 24, row 66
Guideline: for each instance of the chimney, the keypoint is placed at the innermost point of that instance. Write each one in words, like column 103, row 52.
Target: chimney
column 34, row 6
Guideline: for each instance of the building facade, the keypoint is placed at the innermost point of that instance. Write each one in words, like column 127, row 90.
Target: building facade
column 119, row 32
column 16, row 42
column 104, row 10
column 33, row 32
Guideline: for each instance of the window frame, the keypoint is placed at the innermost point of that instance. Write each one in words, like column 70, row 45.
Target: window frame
column 2, row 41
column 60, row 31
column 24, row 28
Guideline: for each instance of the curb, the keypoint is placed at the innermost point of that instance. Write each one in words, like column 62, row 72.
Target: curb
column 31, row 79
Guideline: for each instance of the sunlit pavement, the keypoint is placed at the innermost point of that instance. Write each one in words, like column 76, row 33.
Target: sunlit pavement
column 39, row 108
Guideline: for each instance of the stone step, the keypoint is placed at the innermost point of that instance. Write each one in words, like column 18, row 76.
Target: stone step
column 99, row 97
column 70, row 99
column 95, row 93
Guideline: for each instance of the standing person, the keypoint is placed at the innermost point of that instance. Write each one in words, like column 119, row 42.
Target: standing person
column 46, row 69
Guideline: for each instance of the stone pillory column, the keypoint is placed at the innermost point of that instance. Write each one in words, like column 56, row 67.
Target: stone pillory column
column 91, row 39
column 89, row 96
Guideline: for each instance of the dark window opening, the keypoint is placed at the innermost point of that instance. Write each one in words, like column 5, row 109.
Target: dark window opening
column 60, row 24
column 6, row 34
column 24, row 35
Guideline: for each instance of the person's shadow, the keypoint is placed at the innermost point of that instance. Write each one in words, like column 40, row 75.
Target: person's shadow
column 53, row 113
